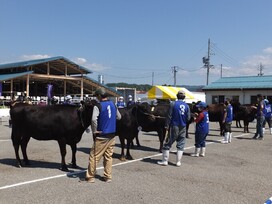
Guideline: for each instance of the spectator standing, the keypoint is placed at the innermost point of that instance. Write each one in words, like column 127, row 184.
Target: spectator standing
column 202, row 130
column 103, row 127
column 267, row 116
column 130, row 102
column 121, row 103
column 260, row 118
column 49, row 94
column 178, row 116
column 227, row 121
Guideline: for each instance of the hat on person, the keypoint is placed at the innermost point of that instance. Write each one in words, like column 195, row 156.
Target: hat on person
column 130, row 96
column 201, row 105
column 100, row 91
column 181, row 92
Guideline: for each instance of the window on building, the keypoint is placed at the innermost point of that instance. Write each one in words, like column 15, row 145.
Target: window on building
column 235, row 99
column 214, row 99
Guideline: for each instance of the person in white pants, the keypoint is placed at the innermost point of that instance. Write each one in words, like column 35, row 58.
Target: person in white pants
column 227, row 120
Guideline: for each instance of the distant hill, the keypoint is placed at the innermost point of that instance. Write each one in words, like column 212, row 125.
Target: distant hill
column 146, row 87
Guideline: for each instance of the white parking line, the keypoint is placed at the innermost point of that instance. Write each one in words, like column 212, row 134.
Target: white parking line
column 82, row 171
column 5, row 140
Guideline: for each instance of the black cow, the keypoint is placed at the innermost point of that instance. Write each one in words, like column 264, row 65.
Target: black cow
column 63, row 123
column 246, row 113
column 160, row 112
column 128, row 127
column 216, row 114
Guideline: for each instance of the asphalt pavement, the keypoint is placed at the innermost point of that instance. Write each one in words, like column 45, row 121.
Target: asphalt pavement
column 239, row 172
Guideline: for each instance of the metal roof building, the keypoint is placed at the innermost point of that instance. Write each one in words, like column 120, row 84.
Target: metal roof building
column 243, row 89
column 31, row 77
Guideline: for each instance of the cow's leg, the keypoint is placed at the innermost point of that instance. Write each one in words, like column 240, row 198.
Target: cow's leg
column 246, row 123
column 137, row 140
column 74, row 150
column 122, row 141
column 16, row 145
column 161, row 133
column 221, row 128
column 128, row 156
column 187, row 130
column 62, row 145
column 24, row 143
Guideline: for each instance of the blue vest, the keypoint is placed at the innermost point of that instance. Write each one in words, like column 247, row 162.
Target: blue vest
column 203, row 126
column 179, row 114
column 229, row 117
column 120, row 104
column 107, row 118
column 268, row 110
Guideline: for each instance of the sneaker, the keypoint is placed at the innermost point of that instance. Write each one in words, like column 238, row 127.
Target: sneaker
column 107, row 180
column 90, row 180
column 255, row 137
column 260, row 138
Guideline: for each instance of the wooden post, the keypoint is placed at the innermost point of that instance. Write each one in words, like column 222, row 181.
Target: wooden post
column 81, row 89
column 64, row 87
column 27, row 86
column 48, row 69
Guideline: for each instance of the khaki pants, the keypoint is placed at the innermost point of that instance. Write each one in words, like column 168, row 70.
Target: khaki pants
column 101, row 147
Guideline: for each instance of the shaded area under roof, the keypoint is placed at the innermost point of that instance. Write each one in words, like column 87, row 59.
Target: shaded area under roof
column 244, row 82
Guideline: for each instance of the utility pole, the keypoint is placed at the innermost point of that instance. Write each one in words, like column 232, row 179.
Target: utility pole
column 206, row 61
column 261, row 67
column 175, row 70
column 152, row 78
column 221, row 71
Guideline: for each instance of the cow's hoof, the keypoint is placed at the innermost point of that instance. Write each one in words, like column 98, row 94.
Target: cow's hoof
column 122, row 158
column 129, row 157
column 64, row 168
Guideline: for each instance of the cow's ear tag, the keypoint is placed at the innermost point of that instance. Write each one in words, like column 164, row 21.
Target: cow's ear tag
column 139, row 128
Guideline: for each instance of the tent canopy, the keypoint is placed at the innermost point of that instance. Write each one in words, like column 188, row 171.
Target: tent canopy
column 168, row 92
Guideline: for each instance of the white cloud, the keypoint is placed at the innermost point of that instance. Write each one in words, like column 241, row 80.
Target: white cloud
column 33, row 57
column 268, row 50
column 92, row 66
column 80, row 61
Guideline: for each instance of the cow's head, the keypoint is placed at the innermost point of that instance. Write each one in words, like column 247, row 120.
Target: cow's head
column 143, row 114
column 85, row 112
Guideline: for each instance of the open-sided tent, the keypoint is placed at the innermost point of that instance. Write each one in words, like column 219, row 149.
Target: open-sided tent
column 169, row 92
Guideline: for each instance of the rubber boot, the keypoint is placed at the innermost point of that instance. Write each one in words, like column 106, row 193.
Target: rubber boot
column 230, row 137
column 179, row 156
column 196, row 154
column 270, row 131
column 226, row 138
column 165, row 157
column 202, row 151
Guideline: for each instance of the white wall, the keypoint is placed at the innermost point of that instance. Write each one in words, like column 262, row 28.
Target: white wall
column 244, row 95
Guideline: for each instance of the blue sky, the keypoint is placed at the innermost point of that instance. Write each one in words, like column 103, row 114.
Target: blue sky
column 126, row 40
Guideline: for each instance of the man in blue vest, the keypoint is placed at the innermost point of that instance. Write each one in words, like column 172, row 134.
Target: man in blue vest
column 260, row 118
column 103, row 128
column 179, row 115
column 268, row 112
column 227, row 121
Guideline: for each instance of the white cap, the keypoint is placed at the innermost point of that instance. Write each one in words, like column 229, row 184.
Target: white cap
column 130, row 96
